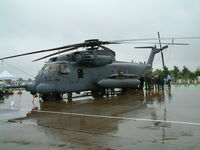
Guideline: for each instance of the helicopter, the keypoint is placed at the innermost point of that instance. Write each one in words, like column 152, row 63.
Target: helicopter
column 94, row 69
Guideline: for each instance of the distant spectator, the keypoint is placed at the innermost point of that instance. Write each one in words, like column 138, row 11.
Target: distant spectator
column 141, row 83
column 169, row 79
column 148, row 81
column 160, row 82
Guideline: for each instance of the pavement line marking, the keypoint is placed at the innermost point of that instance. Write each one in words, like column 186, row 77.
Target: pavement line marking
column 109, row 117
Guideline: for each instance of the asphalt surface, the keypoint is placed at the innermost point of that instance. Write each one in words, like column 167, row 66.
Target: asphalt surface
column 141, row 120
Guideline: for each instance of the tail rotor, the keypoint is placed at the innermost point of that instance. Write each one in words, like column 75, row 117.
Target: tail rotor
column 161, row 49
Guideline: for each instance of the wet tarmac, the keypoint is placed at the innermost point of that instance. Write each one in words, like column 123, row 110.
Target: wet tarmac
column 142, row 120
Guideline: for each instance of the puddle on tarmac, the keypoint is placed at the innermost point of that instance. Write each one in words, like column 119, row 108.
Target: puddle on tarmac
column 65, row 130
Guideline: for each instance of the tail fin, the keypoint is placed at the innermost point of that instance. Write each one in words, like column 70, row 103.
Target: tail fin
column 154, row 51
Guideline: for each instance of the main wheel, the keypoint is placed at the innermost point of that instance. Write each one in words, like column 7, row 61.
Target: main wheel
column 98, row 93
column 51, row 97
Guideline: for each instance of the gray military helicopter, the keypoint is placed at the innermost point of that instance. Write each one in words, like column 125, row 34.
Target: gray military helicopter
column 94, row 69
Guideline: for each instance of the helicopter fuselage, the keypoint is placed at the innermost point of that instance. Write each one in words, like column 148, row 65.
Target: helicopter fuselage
column 64, row 76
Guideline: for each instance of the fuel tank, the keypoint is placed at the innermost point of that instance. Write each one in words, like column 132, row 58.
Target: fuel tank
column 119, row 83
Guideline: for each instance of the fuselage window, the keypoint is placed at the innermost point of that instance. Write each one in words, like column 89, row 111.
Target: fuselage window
column 64, row 69
column 80, row 73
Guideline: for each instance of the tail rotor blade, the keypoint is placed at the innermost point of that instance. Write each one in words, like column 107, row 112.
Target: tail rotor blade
column 162, row 58
column 161, row 48
column 159, row 40
column 164, row 47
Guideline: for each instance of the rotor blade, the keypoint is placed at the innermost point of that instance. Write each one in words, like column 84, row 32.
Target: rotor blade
column 174, row 43
column 70, row 49
column 105, row 48
column 131, row 40
column 97, row 43
column 144, row 47
column 150, row 39
column 46, row 50
column 158, row 43
column 164, row 47
column 87, row 43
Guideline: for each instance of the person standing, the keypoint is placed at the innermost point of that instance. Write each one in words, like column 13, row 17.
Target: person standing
column 148, row 81
column 141, row 83
column 169, row 79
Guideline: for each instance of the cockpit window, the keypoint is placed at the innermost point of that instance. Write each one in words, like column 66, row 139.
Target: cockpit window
column 46, row 67
column 52, row 67
column 64, row 69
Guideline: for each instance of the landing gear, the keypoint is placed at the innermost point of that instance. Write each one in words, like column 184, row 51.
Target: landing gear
column 56, row 97
column 33, row 93
column 51, row 96
column 69, row 97
column 125, row 90
column 98, row 93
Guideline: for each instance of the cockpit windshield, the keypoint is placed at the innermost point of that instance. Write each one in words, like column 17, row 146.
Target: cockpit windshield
column 51, row 67
column 62, row 68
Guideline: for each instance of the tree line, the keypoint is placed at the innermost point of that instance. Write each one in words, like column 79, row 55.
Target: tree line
column 176, row 73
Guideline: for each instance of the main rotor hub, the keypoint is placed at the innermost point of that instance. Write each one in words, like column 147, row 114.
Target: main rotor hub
column 92, row 44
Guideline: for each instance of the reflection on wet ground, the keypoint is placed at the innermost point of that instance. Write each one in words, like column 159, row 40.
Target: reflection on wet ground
column 142, row 120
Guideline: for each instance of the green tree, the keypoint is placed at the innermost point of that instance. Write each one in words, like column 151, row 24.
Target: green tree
column 20, row 79
column 185, row 72
column 197, row 72
column 175, row 72
column 191, row 75
column 158, row 72
column 165, row 71
column 150, row 71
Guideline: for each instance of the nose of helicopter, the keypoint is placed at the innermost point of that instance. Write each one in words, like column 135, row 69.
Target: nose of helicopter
column 45, row 88
column 30, row 87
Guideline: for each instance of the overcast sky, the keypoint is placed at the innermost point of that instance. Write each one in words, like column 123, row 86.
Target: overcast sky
column 28, row 25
